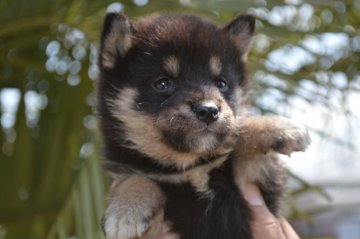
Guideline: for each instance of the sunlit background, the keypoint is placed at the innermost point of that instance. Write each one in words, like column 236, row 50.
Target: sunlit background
column 304, row 62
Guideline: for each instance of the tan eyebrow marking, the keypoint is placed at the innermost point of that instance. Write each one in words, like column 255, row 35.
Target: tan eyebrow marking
column 172, row 66
column 215, row 65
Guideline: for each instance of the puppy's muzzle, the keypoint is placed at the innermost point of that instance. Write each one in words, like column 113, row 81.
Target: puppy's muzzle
column 206, row 112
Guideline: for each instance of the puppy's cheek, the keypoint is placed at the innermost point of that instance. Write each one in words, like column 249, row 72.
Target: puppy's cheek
column 226, row 125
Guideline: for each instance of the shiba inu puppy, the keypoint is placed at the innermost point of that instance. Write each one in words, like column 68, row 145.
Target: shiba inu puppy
column 178, row 142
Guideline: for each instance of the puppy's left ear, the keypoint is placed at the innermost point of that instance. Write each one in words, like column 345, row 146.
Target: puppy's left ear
column 241, row 31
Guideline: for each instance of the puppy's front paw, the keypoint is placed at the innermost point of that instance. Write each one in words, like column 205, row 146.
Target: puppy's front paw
column 126, row 222
column 136, row 209
column 287, row 136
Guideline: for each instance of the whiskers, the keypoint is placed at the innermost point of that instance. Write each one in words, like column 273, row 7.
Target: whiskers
column 177, row 122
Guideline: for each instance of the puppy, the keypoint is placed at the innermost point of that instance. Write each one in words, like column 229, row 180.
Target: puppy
column 178, row 142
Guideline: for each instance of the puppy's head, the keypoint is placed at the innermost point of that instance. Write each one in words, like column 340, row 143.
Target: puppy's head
column 173, row 87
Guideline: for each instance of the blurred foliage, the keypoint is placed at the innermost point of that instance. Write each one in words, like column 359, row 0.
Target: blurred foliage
column 51, row 181
column 295, row 212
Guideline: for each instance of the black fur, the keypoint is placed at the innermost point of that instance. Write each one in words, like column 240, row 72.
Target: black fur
column 225, row 215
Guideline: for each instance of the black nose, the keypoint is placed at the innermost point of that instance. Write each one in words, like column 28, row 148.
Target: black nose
column 206, row 112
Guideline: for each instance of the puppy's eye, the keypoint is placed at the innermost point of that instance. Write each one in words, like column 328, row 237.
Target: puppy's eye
column 162, row 85
column 221, row 84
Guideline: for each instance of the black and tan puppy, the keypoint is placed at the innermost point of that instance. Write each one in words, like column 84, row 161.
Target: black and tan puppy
column 178, row 142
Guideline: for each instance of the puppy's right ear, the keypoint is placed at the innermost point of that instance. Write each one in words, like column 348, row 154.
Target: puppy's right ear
column 115, row 39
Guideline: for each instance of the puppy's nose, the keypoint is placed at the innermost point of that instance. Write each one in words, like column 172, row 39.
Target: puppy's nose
column 207, row 112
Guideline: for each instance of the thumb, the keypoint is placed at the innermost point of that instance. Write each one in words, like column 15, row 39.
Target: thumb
column 264, row 224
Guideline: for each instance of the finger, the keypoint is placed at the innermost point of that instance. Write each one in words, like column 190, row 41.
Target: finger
column 166, row 233
column 264, row 224
column 288, row 230
column 261, row 213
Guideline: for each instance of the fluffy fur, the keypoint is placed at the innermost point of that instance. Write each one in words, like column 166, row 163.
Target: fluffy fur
column 178, row 142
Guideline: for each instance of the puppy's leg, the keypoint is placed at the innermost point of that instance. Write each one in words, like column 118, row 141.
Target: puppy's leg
column 135, row 209
column 272, row 184
column 263, row 134
column 254, row 161
column 266, row 172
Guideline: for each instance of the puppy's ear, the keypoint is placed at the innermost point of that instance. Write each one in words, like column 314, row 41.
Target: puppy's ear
column 115, row 39
column 241, row 31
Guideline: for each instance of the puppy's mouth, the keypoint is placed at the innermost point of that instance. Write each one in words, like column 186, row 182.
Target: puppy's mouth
column 216, row 128
column 186, row 132
column 190, row 124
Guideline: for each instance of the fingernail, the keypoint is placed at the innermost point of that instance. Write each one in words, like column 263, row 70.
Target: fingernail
column 253, row 196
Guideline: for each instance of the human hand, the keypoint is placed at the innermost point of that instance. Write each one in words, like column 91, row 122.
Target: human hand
column 264, row 224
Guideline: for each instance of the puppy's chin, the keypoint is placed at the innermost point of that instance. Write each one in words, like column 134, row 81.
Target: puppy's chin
column 199, row 137
column 204, row 142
